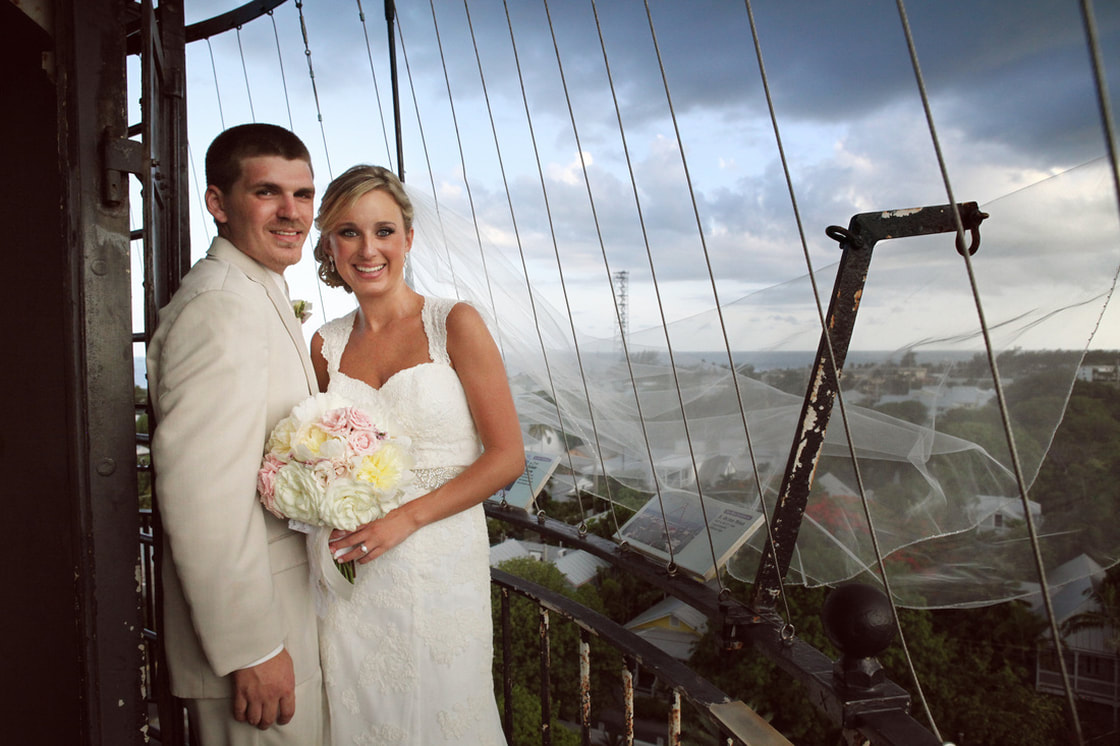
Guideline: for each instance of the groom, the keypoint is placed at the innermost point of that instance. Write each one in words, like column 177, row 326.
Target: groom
column 226, row 363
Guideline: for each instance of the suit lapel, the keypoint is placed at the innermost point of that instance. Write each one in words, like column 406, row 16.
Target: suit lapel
column 283, row 306
column 223, row 249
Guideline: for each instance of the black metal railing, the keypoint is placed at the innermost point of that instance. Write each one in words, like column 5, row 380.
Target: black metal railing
column 879, row 714
column 678, row 683
column 149, row 601
column 731, row 719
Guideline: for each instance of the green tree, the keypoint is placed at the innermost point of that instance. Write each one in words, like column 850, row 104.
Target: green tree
column 527, row 720
column 789, row 380
column 564, row 639
column 143, row 459
column 769, row 691
column 1077, row 482
column 624, row 596
column 910, row 410
column 975, row 667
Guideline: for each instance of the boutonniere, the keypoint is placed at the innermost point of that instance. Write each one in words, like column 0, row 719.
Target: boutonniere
column 302, row 310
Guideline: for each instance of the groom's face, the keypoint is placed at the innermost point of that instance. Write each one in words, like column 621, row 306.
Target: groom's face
column 268, row 210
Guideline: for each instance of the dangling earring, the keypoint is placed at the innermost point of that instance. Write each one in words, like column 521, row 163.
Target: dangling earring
column 330, row 262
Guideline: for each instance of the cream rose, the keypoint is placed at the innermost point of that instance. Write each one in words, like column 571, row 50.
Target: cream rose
column 384, row 469
column 280, row 441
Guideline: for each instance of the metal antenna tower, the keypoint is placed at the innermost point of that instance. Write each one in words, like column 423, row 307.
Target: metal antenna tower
column 621, row 280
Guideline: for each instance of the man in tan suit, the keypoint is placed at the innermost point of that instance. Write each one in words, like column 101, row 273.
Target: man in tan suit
column 227, row 362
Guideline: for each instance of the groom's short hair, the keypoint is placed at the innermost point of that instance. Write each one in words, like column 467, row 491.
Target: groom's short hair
column 224, row 156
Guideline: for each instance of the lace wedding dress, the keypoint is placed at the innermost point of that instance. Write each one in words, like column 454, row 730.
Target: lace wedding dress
column 407, row 659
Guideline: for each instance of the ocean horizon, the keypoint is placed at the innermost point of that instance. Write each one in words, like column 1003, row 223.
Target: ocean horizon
column 761, row 359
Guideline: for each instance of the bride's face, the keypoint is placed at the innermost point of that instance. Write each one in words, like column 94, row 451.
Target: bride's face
column 369, row 244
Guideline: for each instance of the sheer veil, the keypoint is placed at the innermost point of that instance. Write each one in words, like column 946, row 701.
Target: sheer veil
column 684, row 465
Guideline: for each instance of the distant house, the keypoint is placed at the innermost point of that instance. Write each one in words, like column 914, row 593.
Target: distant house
column 997, row 514
column 1099, row 373
column 510, row 549
column 716, row 468
column 673, row 627
column 544, row 439
column 676, row 471
column 1092, row 663
column 670, row 625
column 832, row 485
column 578, row 567
column 944, row 398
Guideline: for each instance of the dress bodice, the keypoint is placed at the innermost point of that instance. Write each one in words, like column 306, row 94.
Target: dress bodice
column 407, row 657
column 425, row 402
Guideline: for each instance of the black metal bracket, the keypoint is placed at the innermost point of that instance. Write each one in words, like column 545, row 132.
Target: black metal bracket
column 120, row 157
column 857, row 242
column 218, row 24
column 868, row 228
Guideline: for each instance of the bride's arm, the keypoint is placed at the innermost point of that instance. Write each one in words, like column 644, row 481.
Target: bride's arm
column 477, row 361
column 318, row 362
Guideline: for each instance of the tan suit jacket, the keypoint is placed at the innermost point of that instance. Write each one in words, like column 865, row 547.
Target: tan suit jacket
column 227, row 362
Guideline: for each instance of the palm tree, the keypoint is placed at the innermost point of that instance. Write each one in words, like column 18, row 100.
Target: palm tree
column 1106, row 615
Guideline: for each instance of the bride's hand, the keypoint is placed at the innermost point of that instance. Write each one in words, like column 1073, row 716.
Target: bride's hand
column 372, row 540
column 337, row 534
column 343, row 545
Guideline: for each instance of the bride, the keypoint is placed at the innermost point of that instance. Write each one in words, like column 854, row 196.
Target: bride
column 407, row 658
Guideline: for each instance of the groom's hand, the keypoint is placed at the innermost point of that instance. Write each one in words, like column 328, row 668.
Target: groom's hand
column 266, row 693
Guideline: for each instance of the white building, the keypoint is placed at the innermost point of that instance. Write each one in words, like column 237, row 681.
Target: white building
column 1092, row 661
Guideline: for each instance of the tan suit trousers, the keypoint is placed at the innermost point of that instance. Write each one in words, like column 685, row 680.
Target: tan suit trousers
column 212, row 720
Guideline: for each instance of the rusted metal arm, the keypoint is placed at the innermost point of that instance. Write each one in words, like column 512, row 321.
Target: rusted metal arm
column 857, row 242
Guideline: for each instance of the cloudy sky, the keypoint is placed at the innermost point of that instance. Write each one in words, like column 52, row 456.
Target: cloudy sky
column 1012, row 99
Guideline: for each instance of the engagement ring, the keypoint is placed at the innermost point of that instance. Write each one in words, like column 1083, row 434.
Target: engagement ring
column 363, row 548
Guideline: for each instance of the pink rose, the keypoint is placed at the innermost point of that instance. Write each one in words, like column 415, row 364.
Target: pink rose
column 266, row 483
column 327, row 470
column 359, row 420
column 364, row 442
column 336, row 421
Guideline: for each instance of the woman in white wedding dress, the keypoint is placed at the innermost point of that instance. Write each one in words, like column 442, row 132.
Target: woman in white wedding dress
column 407, row 659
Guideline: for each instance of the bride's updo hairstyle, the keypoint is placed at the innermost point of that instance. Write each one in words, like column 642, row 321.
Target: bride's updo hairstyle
column 340, row 196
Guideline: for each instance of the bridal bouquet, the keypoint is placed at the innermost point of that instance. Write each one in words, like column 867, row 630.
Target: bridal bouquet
column 327, row 464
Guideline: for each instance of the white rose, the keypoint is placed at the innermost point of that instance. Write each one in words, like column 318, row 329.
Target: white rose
column 349, row 503
column 314, row 407
column 298, row 493
column 333, row 448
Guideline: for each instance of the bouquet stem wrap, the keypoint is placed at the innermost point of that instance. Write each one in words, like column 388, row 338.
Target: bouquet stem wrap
column 327, row 579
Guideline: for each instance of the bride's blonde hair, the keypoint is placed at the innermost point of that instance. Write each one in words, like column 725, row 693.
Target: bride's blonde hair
column 340, row 196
